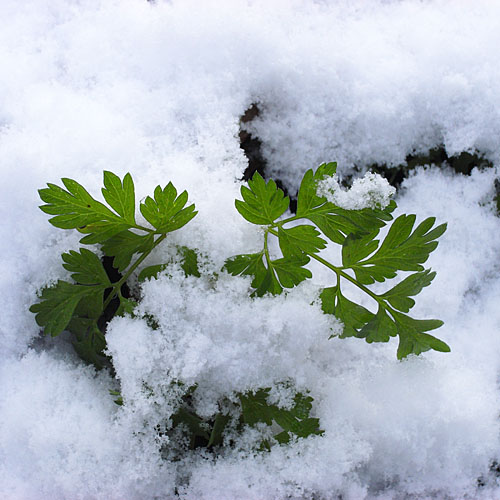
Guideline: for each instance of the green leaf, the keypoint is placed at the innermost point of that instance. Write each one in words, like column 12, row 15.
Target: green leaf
column 290, row 270
column 189, row 261
column 167, row 211
column 151, row 272
column 86, row 267
column 57, row 305
column 399, row 296
column 74, row 208
column 124, row 245
column 194, row 423
column 412, row 336
column 90, row 347
column 334, row 222
column 379, row 329
column 119, row 397
column 262, row 202
column 126, row 307
column 267, row 282
column 307, row 199
column 352, row 315
column 300, row 239
column 286, row 272
column 218, row 428
column 120, row 196
column 356, row 248
column 296, row 420
column 251, row 265
column 401, row 250
column 338, row 223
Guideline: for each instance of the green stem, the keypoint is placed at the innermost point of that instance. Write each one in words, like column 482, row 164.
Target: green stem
column 339, row 272
column 142, row 228
column 116, row 288
column 266, row 248
column 284, row 221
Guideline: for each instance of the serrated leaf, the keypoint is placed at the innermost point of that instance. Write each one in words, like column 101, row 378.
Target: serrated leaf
column 120, row 196
column 379, row 329
column 74, row 208
column 412, row 336
column 254, row 407
column 90, row 347
column 262, row 202
column 166, row 212
column 57, row 305
column 295, row 420
column 337, row 223
column 266, row 282
column 399, row 295
column 124, row 245
column 86, row 267
column 356, row 248
column 126, row 307
column 189, row 261
column 353, row 316
column 334, row 222
column 244, row 264
column 151, row 272
column 401, row 250
column 300, row 239
column 307, row 199
column 290, row 270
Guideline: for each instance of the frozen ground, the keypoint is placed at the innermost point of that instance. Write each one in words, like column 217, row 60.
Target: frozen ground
column 158, row 90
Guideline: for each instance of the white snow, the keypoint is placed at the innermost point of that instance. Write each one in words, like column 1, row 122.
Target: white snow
column 157, row 89
column 370, row 191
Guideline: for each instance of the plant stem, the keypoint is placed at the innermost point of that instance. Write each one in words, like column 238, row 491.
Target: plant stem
column 117, row 286
column 339, row 272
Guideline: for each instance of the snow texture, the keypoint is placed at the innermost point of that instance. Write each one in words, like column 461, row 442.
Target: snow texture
column 157, row 89
column 371, row 191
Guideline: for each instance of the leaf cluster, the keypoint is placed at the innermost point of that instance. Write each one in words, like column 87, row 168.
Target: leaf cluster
column 253, row 408
column 81, row 306
column 366, row 259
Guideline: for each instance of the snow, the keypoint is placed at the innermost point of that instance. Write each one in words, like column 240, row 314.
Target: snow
column 157, row 89
column 370, row 191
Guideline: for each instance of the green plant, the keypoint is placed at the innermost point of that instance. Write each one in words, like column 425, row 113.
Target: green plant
column 364, row 259
column 85, row 305
column 82, row 307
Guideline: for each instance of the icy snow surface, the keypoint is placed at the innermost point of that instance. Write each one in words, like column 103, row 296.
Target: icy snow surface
column 157, row 89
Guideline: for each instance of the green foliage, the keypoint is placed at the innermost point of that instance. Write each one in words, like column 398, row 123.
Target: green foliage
column 83, row 306
column 253, row 409
column 293, row 422
column 365, row 259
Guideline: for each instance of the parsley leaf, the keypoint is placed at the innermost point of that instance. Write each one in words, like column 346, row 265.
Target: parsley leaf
column 401, row 250
column 166, row 212
column 86, row 267
column 294, row 421
column 57, row 305
column 404, row 248
column 300, row 239
column 263, row 202
column 82, row 307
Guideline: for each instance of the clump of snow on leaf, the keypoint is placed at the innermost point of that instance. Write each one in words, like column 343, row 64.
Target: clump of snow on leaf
column 371, row 191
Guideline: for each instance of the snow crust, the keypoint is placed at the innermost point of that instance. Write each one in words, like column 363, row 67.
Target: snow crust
column 157, row 89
